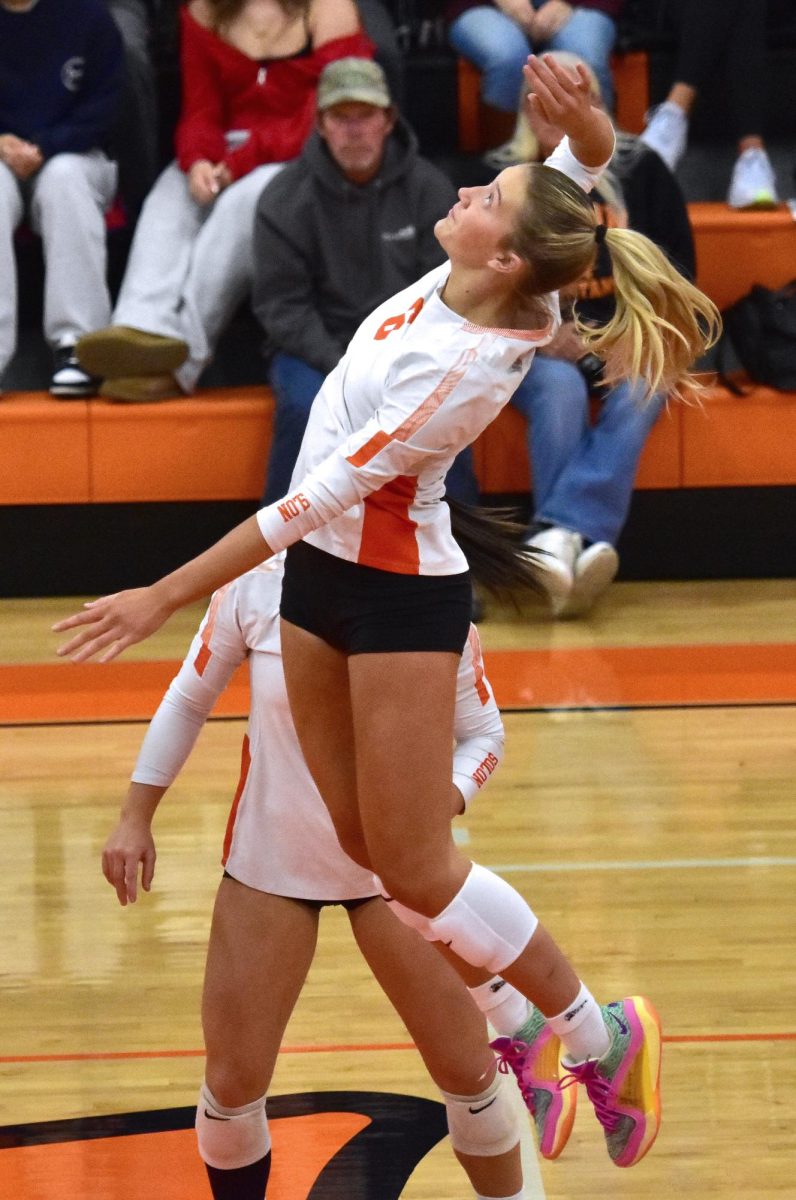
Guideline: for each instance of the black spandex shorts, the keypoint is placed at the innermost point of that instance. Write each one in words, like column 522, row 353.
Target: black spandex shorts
column 362, row 610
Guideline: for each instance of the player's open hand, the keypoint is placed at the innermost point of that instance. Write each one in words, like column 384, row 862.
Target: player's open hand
column 559, row 97
column 111, row 624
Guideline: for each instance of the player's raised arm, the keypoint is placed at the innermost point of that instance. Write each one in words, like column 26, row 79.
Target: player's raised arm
column 562, row 98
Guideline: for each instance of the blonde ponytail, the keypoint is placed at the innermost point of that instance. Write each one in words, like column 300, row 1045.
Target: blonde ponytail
column 661, row 323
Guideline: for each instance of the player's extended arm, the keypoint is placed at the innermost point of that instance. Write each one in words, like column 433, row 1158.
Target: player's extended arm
column 110, row 624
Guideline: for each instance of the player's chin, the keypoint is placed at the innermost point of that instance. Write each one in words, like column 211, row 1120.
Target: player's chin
column 441, row 230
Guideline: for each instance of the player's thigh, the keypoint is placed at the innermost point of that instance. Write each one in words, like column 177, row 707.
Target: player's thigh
column 403, row 706
column 260, row 950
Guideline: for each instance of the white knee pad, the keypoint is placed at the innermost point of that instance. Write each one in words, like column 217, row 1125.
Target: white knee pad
column 487, row 923
column 231, row 1137
column 407, row 916
column 486, row 1124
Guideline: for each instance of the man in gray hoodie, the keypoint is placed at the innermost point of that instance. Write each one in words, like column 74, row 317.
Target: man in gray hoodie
column 338, row 231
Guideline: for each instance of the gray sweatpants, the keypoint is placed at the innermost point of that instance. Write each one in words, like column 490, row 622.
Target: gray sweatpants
column 190, row 266
column 65, row 203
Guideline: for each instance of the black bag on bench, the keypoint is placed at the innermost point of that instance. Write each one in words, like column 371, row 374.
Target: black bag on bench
column 761, row 328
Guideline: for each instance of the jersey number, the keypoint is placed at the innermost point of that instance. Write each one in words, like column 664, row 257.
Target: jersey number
column 393, row 323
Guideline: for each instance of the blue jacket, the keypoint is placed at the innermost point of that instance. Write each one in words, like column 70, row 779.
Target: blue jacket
column 61, row 75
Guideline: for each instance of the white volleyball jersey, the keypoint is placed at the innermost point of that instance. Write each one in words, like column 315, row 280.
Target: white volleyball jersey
column 280, row 837
column 417, row 384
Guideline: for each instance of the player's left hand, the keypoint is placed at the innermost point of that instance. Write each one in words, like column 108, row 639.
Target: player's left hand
column 559, row 97
column 111, row 624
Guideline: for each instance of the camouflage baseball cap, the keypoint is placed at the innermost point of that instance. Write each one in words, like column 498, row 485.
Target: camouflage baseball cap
column 353, row 80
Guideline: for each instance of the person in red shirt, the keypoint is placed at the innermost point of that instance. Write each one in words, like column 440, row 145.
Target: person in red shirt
column 249, row 75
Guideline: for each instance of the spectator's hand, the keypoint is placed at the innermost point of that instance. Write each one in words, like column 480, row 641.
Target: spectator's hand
column 520, row 11
column 22, row 158
column 223, row 175
column 203, row 181
column 548, row 20
column 559, row 99
column 567, row 344
column 130, row 843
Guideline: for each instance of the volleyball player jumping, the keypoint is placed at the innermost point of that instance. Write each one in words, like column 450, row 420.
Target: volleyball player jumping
column 376, row 597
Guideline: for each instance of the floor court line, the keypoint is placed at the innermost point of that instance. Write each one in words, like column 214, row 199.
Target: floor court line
column 650, row 864
column 697, row 1039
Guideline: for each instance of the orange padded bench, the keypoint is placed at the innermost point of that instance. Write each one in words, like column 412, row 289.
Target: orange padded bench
column 728, row 441
column 479, row 128
column 215, row 447
column 211, row 447
column 735, row 250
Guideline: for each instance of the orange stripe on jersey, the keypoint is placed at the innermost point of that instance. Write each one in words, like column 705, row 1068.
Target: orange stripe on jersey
column 371, row 448
column 202, row 659
column 418, row 418
column 245, row 763
column 209, row 625
column 388, row 534
column 518, row 335
column 481, row 690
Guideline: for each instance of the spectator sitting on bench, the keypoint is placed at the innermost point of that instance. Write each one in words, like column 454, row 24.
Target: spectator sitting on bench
column 343, row 228
column 249, row 74
column 712, row 33
column 583, row 472
column 498, row 35
column 61, row 79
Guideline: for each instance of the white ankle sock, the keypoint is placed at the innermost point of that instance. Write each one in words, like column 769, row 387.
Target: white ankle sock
column 505, row 1008
column 581, row 1028
column 518, row 1196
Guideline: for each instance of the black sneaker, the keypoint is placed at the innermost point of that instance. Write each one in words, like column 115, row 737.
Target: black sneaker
column 69, row 380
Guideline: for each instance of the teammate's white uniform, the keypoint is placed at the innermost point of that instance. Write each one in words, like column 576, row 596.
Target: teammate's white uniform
column 280, row 836
column 416, row 385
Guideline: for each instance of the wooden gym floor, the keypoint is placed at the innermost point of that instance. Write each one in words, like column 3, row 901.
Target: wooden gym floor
column 645, row 809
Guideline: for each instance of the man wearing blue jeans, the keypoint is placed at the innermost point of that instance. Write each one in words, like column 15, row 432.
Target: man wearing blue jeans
column 341, row 229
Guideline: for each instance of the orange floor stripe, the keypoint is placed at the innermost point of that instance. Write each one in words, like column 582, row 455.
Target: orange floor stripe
column 643, row 676
column 106, row 1168
column 116, row 691
column 583, row 678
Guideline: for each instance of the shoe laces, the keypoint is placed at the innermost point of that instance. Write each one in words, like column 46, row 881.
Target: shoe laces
column 512, row 1056
column 65, row 357
column 598, row 1089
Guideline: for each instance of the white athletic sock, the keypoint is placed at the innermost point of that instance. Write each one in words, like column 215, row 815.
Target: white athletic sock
column 518, row 1196
column 505, row 1008
column 581, row 1028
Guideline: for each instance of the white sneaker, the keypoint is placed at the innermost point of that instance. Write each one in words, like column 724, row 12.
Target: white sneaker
column 753, row 184
column 667, row 133
column 595, row 570
column 557, row 564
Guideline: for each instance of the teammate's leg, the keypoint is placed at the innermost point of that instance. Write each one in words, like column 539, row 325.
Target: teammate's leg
column 260, row 950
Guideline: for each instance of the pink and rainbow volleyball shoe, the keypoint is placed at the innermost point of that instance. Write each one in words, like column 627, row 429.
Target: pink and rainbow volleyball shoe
column 534, row 1054
column 624, row 1085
